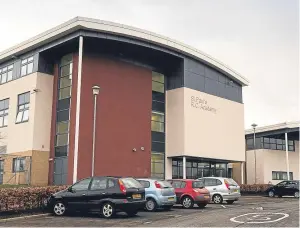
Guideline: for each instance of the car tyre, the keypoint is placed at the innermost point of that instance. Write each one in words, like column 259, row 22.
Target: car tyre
column 217, row 199
column 131, row 213
column 187, row 202
column 108, row 210
column 230, row 201
column 151, row 205
column 296, row 194
column 59, row 208
column 271, row 194
column 202, row 205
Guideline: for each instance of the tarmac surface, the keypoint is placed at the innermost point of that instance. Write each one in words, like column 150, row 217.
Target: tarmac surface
column 249, row 211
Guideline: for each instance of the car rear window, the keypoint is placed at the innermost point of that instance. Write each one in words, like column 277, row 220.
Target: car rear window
column 231, row 182
column 164, row 184
column 131, row 183
column 198, row 184
column 145, row 184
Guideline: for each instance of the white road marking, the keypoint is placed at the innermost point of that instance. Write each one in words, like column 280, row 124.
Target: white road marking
column 259, row 217
column 23, row 217
column 223, row 206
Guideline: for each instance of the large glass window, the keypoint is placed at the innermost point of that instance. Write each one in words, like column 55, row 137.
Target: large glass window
column 4, row 105
column 6, row 74
column 27, row 66
column 271, row 143
column 157, row 165
column 158, row 125
column 279, row 175
column 23, row 107
column 18, row 164
column 82, row 185
column 158, row 121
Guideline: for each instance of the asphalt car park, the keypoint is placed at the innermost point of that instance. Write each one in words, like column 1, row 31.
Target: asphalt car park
column 250, row 211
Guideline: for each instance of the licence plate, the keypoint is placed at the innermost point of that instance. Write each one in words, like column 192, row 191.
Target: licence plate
column 206, row 197
column 236, row 190
column 171, row 199
column 136, row 196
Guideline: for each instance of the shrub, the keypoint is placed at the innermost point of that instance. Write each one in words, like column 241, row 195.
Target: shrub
column 18, row 199
column 254, row 188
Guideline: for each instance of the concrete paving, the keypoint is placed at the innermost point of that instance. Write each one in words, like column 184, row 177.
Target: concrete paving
column 248, row 212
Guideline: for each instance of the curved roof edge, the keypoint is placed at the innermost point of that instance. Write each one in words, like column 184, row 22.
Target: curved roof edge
column 285, row 125
column 117, row 29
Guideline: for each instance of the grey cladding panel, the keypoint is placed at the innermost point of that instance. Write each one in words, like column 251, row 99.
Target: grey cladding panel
column 203, row 78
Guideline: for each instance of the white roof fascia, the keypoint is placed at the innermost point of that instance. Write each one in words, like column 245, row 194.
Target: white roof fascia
column 118, row 29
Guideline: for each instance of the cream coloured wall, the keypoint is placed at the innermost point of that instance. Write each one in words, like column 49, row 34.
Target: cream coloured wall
column 214, row 131
column 272, row 160
column 34, row 134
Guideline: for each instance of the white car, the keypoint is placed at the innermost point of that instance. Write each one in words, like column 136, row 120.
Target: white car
column 222, row 189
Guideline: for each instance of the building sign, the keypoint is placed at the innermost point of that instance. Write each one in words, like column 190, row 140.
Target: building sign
column 197, row 102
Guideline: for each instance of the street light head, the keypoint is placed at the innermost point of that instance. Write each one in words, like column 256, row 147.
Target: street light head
column 254, row 125
column 96, row 90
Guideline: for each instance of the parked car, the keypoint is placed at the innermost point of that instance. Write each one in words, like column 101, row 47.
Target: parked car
column 159, row 194
column 222, row 189
column 190, row 192
column 284, row 188
column 106, row 195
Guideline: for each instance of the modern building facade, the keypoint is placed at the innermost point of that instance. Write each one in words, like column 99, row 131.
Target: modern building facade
column 164, row 110
column 275, row 155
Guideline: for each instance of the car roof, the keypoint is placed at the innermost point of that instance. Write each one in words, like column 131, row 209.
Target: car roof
column 183, row 180
column 149, row 179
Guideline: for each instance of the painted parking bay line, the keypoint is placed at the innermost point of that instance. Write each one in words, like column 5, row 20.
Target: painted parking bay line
column 259, row 218
column 23, row 217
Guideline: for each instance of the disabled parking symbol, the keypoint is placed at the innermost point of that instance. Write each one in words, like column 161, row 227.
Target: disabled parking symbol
column 259, row 218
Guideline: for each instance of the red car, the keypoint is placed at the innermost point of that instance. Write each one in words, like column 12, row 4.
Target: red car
column 189, row 192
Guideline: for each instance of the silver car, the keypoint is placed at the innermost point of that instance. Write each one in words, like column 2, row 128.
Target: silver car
column 222, row 189
column 158, row 193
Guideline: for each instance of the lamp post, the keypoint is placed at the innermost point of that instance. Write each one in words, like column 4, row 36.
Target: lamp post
column 254, row 147
column 96, row 90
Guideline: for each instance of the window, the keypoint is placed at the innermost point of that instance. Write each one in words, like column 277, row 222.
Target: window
column 158, row 81
column 279, row 175
column 111, row 183
column 27, row 66
column 273, row 144
column 18, row 165
column 131, row 183
column 178, row 184
column 177, row 169
column 158, row 121
column 6, row 74
column 145, row 184
column 23, row 107
column 210, row 182
column 82, row 185
column 4, row 105
column 1, row 165
column 99, row 183
column 197, row 184
column 157, row 165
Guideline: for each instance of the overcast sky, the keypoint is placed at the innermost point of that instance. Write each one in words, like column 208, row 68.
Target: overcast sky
column 257, row 38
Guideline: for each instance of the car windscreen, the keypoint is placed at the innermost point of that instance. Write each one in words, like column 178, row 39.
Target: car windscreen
column 131, row 183
column 231, row 182
column 164, row 184
column 198, row 184
column 145, row 184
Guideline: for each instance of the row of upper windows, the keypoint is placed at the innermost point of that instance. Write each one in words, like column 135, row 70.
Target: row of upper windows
column 269, row 143
column 22, row 109
column 6, row 73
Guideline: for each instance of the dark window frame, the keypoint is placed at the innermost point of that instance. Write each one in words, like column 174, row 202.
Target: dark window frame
column 23, row 107
column 6, row 71
column 28, row 60
column 279, row 175
column 4, row 112
column 16, row 164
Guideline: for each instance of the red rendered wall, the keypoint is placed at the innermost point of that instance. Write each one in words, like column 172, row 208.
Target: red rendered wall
column 123, row 119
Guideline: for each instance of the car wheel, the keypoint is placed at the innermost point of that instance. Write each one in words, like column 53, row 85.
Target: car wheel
column 108, row 210
column 59, row 208
column 296, row 194
column 271, row 194
column 131, row 213
column 151, row 205
column 230, row 201
column 187, row 202
column 202, row 205
column 217, row 199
